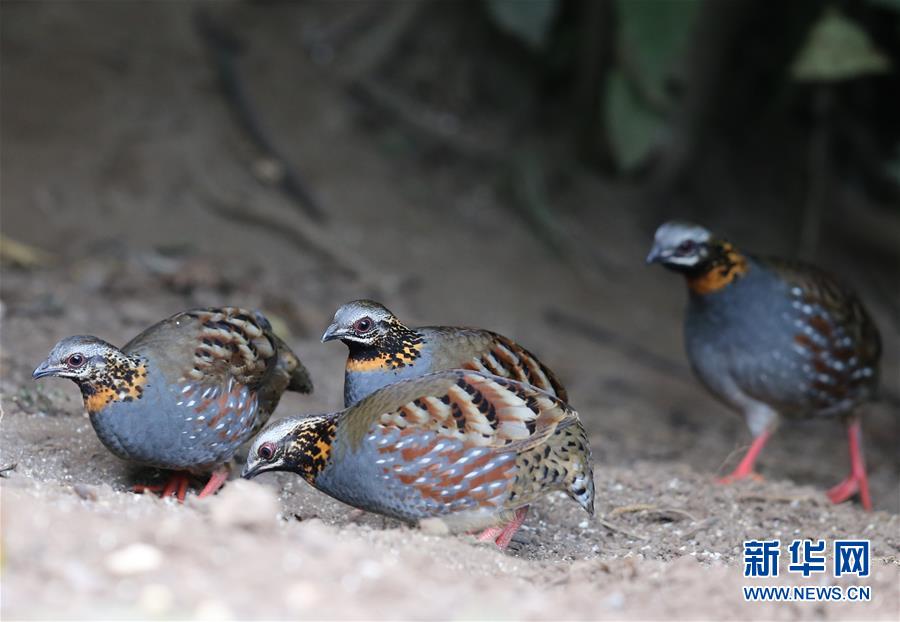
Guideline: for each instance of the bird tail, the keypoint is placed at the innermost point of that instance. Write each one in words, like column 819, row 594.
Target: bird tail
column 289, row 365
column 575, row 453
column 562, row 462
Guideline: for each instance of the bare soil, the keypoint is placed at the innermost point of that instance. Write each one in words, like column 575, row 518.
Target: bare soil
column 118, row 154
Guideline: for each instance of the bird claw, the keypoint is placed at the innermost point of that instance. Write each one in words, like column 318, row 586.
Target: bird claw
column 848, row 489
column 489, row 534
column 178, row 483
column 176, row 487
column 843, row 491
column 503, row 535
column 857, row 483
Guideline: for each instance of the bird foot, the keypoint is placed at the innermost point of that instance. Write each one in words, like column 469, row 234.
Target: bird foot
column 216, row 481
column 502, row 536
column 857, row 482
column 178, row 483
column 848, row 489
column 176, row 487
column 744, row 469
column 489, row 534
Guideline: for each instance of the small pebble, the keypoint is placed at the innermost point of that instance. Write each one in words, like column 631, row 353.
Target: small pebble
column 134, row 559
column 434, row 526
column 85, row 492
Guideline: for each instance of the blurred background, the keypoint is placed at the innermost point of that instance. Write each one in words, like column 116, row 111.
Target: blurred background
column 497, row 163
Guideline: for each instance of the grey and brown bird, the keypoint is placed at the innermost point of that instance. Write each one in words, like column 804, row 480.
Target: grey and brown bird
column 774, row 338
column 185, row 393
column 383, row 350
column 470, row 448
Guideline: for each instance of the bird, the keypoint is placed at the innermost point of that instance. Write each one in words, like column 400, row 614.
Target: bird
column 773, row 339
column 382, row 350
column 470, row 448
column 185, row 393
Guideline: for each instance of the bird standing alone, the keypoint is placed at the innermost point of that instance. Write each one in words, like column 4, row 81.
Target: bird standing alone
column 774, row 338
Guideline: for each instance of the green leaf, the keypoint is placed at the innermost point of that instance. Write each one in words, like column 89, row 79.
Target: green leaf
column 529, row 20
column 837, row 49
column 652, row 36
column 633, row 128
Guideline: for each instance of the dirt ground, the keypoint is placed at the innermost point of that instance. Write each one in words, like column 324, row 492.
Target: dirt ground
column 118, row 154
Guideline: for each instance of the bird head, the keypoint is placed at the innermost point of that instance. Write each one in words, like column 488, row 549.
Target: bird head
column 81, row 358
column 301, row 445
column 363, row 322
column 680, row 246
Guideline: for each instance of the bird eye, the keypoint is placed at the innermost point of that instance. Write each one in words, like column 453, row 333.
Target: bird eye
column 686, row 247
column 75, row 360
column 266, row 451
column 363, row 325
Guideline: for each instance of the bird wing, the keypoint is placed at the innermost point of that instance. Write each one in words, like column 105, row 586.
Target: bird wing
column 835, row 333
column 491, row 353
column 218, row 345
column 455, row 436
column 475, row 408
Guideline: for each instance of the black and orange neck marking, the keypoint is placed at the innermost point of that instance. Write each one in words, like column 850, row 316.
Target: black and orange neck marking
column 121, row 380
column 398, row 347
column 724, row 265
column 310, row 449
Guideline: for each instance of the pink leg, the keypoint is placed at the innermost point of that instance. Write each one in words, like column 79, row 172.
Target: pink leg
column 856, row 482
column 503, row 534
column 163, row 490
column 176, row 487
column 216, row 480
column 182, row 489
column 178, row 483
column 489, row 534
column 506, row 534
column 745, row 468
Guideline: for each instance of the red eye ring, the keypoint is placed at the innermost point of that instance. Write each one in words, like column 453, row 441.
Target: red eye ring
column 266, row 451
column 75, row 360
column 363, row 325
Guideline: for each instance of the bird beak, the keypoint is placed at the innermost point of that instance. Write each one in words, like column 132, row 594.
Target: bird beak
column 656, row 255
column 333, row 332
column 44, row 369
column 251, row 469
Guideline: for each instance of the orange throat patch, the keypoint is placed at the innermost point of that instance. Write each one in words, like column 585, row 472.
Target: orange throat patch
column 117, row 387
column 385, row 361
column 726, row 268
column 311, row 447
